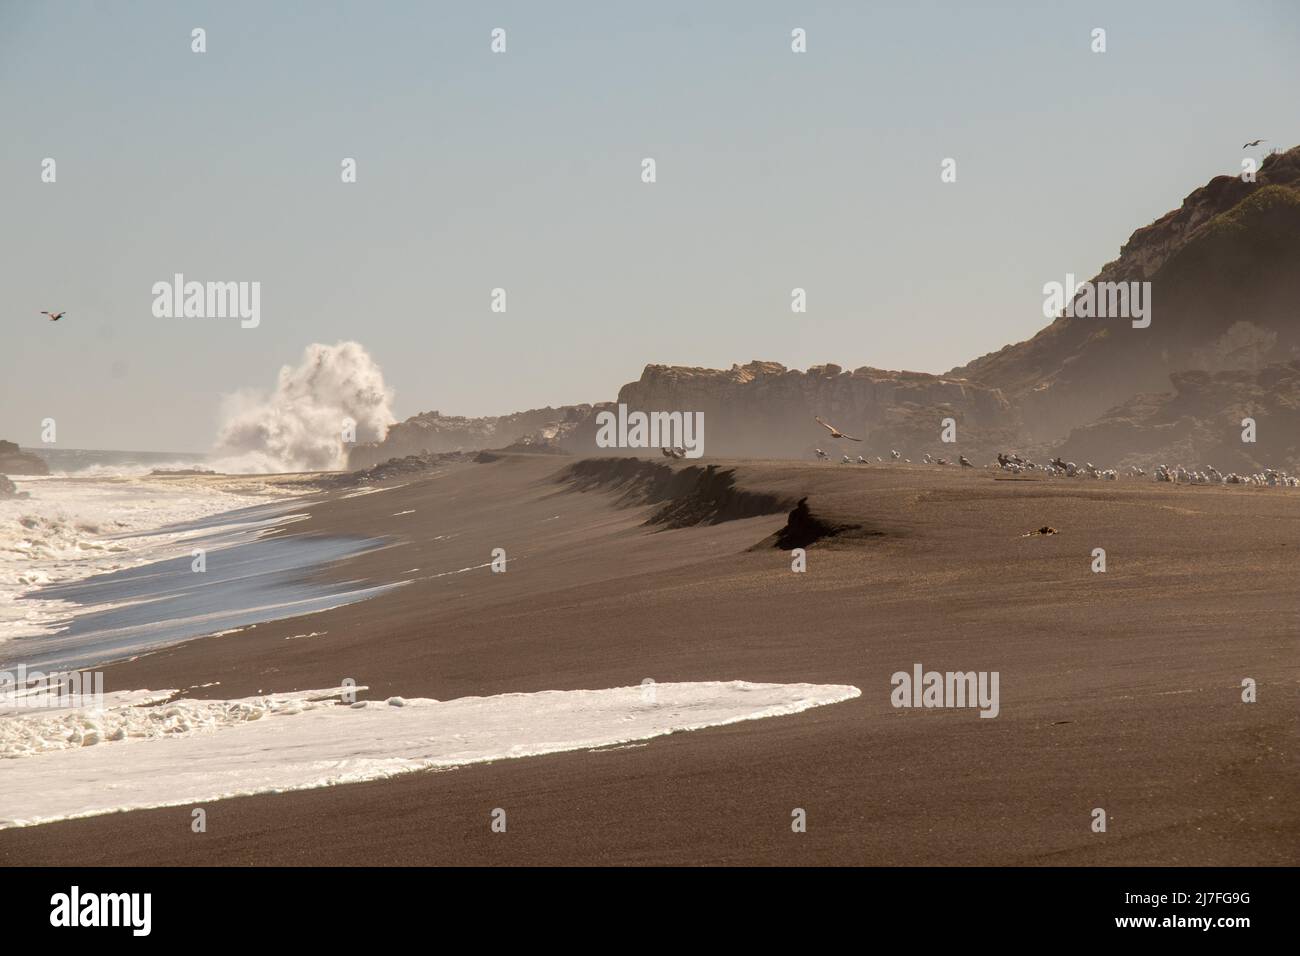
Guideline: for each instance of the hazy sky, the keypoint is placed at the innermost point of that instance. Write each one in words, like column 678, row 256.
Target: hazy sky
column 522, row 170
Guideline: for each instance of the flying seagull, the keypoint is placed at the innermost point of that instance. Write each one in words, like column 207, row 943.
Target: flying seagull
column 54, row 316
column 1254, row 143
column 835, row 432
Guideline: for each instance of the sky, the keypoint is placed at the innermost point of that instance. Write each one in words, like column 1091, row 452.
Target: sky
column 522, row 170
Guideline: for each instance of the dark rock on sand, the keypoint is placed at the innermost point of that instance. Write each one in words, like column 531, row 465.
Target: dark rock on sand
column 15, row 461
column 9, row 490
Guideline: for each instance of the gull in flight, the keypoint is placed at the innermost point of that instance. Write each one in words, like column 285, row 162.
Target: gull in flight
column 835, row 432
column 1254, row 143
column 54, row 316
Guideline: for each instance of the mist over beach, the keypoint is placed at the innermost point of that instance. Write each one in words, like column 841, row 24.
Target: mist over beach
column 711, row 437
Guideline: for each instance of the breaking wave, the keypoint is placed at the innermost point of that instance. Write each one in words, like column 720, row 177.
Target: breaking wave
column 299, row 426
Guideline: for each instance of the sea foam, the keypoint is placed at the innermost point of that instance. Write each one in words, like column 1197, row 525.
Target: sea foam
column 68, row 529
column 299, row 425
column 138, row 752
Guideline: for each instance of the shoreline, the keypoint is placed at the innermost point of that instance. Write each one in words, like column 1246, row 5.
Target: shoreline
column 95, row 565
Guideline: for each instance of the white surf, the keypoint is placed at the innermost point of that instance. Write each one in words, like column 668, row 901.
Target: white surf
column 138, row 753
column 68, row 529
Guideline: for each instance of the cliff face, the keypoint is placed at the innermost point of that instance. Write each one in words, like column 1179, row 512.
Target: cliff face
column 759, row 410
column 1200, row 423
column 434, row 433
column 15, row 461
column 764, row 410
column 1224, row 270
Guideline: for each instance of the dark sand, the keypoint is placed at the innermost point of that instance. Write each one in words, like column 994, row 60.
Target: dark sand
column 1118, row 690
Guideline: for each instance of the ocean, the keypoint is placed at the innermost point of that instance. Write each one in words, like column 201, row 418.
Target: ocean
column 74, row 547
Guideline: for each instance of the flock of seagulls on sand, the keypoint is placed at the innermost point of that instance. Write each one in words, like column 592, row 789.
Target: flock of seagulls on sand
column 1059, row 468
column 1175, row 474
column 1209, row 475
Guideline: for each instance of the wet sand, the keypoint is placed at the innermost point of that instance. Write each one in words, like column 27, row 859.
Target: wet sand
column 1118, row 690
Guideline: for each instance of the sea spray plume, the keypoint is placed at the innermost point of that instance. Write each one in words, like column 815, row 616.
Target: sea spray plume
column 299, row 426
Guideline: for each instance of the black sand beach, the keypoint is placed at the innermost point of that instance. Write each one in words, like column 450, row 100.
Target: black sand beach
column 1119, row 690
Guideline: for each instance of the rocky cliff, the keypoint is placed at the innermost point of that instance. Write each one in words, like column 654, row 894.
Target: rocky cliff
column 765, row 410
column 758, row 410
column 15, row 461
column 434, row 433
column 1201, row 422
column 1224, row 336
column 1224, row 270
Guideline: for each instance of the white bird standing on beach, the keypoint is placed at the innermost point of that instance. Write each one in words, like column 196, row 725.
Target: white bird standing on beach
column 835, row 432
